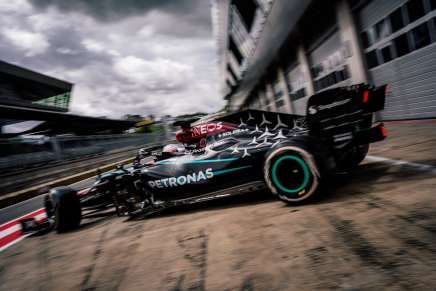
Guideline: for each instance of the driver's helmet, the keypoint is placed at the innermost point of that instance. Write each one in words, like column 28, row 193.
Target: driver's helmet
column 170, row 150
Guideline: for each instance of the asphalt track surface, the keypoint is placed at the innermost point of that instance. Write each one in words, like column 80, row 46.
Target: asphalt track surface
column 375, row 229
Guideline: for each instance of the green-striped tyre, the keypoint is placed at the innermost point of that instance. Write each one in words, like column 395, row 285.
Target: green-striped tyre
column 291, row 173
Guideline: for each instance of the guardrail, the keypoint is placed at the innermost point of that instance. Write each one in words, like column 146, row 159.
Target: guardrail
column 24, row 153
column 18, row 196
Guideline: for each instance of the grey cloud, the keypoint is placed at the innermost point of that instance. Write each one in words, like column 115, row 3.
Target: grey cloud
column 52, row 56
column 189, row 13
column 71, row 39
column 180, row 34
column 106, row 10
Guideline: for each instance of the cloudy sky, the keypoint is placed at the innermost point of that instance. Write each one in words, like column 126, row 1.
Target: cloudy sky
column 124, row 56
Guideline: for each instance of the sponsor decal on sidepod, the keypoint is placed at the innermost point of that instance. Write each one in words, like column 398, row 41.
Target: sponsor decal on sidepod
column 182, row 180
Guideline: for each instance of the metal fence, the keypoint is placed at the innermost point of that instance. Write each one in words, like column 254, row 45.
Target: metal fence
column 26, row 152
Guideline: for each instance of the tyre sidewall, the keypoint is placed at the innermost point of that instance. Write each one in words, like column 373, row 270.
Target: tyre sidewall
column 303, row 153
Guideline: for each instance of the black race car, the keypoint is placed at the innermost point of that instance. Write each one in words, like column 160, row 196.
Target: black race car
column 292, row 156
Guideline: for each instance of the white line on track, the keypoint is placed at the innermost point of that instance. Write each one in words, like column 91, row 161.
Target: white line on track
column 12, row 229
column 33, row 213
column 416, row 166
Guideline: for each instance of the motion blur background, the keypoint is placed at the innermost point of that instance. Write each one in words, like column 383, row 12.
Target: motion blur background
column 260, row 54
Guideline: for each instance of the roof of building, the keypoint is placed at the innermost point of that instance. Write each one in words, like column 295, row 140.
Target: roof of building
column 32, row 76
column 22, row 87
column 60, row 122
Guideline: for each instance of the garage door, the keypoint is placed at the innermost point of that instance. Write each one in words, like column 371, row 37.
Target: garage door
column 399, row 40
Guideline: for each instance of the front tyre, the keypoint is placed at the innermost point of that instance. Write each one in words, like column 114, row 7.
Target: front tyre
column 63, row 205
column 291, row 172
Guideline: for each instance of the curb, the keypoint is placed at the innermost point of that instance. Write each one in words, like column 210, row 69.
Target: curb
column 19, row 196
column 11, row 232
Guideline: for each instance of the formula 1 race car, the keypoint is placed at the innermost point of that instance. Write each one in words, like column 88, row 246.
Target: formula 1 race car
column 291, row 156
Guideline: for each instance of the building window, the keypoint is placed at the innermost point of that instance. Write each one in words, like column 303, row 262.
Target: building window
column 278, row 93
column 396, row 19
column 235, row 50
column 365, row 39
column 267, row 101
column 421, row 36
column 280, row 103
column 247, row 10
column 386, row 53
column 229, row 84
column 328, row 60
column 240, row 33
column 331, row 79
column 372, row 35
column 342, row 75
column 298, row 94
column 60, row 101
column 260, row 98
column 415, row 9
column 316, row 70
column 382, row 29
column 371, row 59
column 415, row 38
column 402, row 45
column 369, row 37
column 232, row 73
column 296, row 82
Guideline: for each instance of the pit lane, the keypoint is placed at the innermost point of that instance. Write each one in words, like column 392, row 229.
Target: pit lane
column 376, row 229
column 14, row 211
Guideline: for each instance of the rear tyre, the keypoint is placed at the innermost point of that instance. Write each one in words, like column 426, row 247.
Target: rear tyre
column 293, row 174
column 63, row 205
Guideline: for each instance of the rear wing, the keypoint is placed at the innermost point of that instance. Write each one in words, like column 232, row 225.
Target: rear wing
column 342, row 117
column 345, row 115
column 357, row 99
